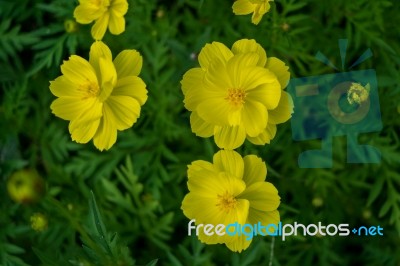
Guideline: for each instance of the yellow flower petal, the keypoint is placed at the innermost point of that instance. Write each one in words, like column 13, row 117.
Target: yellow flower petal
column 69, row 108
column 78, row 71
column 229, row 137
column 196, row 183
column 246, row 46
column 280, row 70
column 107, row 71
column 215, row 51
column 237, row 64
column 194, row 207
column 259, row 12
column 217, row 79
column 192, row 80
column 265, row 136
column 128, row 63
column 100, row 26
column 243, row 7
column 116, row 24
column 283, row 111
column 119, row 7
column 125, row 111
column 105, row 92
column 255, row 118
column 106, row 134
column 98, row 50
column 200, row 92
column 62, row 87
column 268, row 94
column 200, row 127
column 200, row 165
column 263, row 196
column 256, row 76
column 265, row 218
column 86, row 13
column 92, row 112
column 230, row 162
column 131, row 86
column 255, row 170
column 238, row 243
column 215, row 111
column 82, row 133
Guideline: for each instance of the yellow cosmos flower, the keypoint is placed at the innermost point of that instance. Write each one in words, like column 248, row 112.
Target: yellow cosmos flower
column 105, row 13
column 229, row 190
column 237, row 94
column 101, row 96
column 257, row 7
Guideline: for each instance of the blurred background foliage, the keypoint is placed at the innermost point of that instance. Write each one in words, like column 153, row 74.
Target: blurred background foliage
column 139, row 184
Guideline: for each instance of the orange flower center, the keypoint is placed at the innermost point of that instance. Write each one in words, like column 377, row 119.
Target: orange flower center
column 226, row 202
column 236, row 97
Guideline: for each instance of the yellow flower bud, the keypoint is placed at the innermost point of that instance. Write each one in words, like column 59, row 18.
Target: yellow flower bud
column 317, row 202
column 70, row 26
column 25, row 186
column 285, row 26
column 160, row 13
column 367, row 214
column 39, row 222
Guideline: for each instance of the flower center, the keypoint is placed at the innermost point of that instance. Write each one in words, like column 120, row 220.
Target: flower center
column 90, row 90
column 236, row 97
column 226, row 202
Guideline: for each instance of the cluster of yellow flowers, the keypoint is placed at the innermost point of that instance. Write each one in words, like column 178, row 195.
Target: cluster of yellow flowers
column 235, row 94
column 102, row 95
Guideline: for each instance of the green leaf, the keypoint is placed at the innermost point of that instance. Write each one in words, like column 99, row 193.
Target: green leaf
column 152, row 263
column 375, row 191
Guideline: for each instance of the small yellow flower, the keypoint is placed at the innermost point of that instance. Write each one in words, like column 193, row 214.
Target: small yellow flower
column 257, row 7
column 231, row 189
column 38, row 222
column 25, row 186
column 357, row 93
column 237, row 94
column 101, row 96
column 105, row 13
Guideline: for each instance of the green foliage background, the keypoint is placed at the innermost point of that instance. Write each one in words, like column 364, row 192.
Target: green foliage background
column 139, row 184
